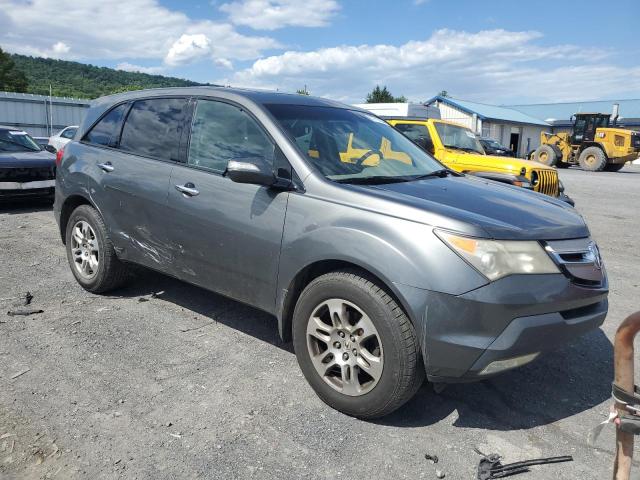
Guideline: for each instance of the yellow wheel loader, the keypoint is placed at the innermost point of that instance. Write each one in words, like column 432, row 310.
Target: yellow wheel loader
column 592, row 144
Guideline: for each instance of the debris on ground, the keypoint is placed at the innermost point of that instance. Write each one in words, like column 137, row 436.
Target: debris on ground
column 432, row 458
column 149, row 297
column 490, row 466
column 24, row 312
column 27, row 297
column 20, row 373
column 440, row 474
column 183, row 330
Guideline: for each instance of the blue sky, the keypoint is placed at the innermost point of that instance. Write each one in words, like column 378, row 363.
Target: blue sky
column 492, row 51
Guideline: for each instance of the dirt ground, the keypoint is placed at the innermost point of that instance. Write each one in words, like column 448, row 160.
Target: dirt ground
column 162, row 380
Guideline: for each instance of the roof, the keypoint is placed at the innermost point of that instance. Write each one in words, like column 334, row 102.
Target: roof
column 557, row 112
column 258, row 96
column 490, row 112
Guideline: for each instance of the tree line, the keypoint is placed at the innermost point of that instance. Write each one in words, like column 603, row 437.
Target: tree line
column 24, row 74
column 20, row 73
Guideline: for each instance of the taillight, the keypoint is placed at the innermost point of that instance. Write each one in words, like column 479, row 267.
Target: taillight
column 59, row 155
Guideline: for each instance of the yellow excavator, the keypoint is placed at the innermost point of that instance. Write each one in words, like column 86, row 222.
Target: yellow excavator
column 592, row 144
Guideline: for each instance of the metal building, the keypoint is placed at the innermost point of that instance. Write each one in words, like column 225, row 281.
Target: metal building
column 40, row 115
column 517, row 130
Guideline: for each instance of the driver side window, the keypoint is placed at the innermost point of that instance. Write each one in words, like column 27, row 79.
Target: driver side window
column 221, row 132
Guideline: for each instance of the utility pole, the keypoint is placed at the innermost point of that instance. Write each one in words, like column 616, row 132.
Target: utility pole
column 50, row 112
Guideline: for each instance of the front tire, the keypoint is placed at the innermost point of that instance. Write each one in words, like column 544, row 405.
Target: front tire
column 546, row 155
column 91, row 255
column 355, row 345
column 592, row 159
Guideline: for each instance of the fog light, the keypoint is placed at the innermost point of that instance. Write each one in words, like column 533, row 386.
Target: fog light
column 502, row 365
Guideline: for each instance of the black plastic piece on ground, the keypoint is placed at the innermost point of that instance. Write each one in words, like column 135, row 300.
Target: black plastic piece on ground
column 490, row 466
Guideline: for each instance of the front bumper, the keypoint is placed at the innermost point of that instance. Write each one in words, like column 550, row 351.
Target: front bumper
column 35, row 185
column 13, row 190
column 463, row 336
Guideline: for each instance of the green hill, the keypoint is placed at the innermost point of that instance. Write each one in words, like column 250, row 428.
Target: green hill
column 73, row 79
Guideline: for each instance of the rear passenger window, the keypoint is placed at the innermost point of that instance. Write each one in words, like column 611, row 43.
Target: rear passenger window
column 106, row 131
column 153, row 128
column 222, row 132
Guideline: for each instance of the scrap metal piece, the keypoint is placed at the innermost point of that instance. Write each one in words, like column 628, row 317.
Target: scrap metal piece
column 490, row 466
column 24, row 312
column 623, row 354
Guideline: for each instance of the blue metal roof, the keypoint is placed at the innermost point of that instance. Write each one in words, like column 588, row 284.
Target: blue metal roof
column 490, row 112
column 561, row 112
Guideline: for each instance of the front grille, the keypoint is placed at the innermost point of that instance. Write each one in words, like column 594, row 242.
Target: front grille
column 546, row 181
column 22, row 175
column 579, row 259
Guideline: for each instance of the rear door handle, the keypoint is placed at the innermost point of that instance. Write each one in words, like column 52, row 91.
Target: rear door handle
column 107, row 167
column 188, row 189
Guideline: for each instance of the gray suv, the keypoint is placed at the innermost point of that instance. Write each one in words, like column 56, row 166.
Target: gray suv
column 379, row 263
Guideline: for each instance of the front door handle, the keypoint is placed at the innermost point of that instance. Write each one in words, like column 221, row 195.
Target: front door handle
column 188, row 189
column 107, row 167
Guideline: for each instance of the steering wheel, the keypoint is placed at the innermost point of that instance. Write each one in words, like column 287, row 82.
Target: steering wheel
column 361, row 160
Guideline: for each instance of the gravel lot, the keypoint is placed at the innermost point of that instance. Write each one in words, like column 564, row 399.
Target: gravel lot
column 187, row 384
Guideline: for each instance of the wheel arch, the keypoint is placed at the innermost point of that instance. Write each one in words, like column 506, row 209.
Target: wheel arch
column 288, row 297
column 70, row 204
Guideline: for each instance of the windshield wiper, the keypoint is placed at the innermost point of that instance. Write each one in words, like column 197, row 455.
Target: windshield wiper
column 379, row 180
column 464, row 149
column 443, row 172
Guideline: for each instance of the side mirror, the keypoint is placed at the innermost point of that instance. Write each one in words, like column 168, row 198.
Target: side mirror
column 50, row 148
column 251, row 170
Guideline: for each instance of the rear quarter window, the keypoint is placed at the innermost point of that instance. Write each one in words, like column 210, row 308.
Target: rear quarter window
column 106, row 131
column 68, row 133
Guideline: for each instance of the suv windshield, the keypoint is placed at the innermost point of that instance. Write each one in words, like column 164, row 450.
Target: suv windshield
column 353, row 147
column 17, row 141
column 460, row 138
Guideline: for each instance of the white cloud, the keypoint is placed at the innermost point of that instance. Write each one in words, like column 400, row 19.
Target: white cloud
column 274, row 14
column 492, row 66
column 113, row 29
column 188, row 48
column 60, row 48
column 223, row 62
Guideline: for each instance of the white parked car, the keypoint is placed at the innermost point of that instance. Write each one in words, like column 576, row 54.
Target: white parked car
column 63, row 137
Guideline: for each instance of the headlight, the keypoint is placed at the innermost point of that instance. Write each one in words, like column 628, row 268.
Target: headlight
column 496, row 259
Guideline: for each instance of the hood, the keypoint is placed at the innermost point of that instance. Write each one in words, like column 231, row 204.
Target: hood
column 490, row 209
column 516, row 164
column 27, row 159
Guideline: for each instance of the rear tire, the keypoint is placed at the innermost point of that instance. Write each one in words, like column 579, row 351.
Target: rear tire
column 592, row 159
column 91, row 255
column 614, row 167
column 363, row 331
column 546, row 155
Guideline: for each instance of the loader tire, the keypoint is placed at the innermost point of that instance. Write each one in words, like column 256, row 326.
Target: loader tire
column 546, row 154
column 592, row 159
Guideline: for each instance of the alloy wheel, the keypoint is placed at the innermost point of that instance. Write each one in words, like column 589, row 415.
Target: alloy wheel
column 85, row 249
column 345, row 347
